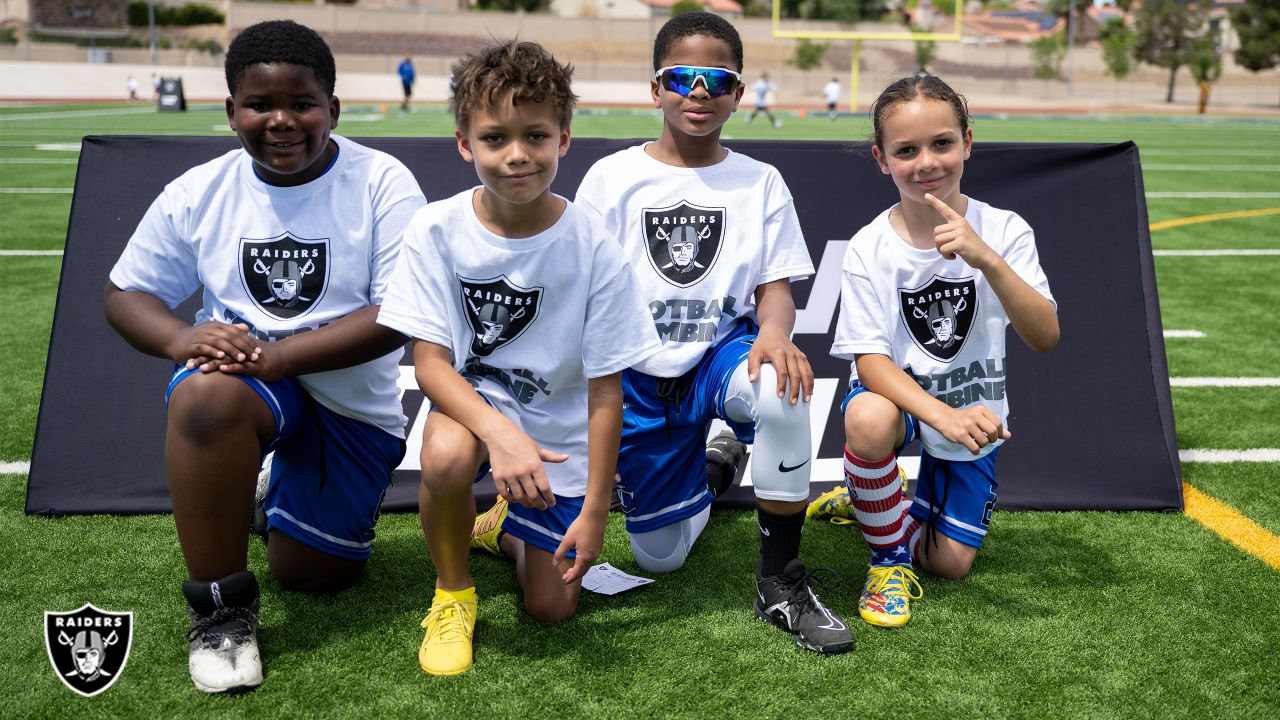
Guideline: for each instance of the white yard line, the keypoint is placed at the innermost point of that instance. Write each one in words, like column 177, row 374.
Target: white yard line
column 1207, row 168
column 35, row 191
column 1212, row 253
column 1183, row 334
column 1225, row 456
column 11, row 117
column 28, row 253
column 38, row 161
column 1188, row 382
column 1209, row 195
column 15, row 468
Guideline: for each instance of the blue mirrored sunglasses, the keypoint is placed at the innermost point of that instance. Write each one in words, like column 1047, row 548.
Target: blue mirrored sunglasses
column 682, row 79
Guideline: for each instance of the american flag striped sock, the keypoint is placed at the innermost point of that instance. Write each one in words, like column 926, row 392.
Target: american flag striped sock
column 878, row 504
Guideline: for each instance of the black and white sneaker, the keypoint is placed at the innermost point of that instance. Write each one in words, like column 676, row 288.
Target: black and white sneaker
column 224, row 633
column 724, row 456
column 787, row 601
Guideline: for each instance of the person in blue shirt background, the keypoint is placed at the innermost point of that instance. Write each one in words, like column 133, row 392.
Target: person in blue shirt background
column 407, row 76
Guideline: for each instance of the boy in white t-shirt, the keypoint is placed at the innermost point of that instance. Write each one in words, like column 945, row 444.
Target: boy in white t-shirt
column 523, row 314
column 293, row 239
column 714, row 240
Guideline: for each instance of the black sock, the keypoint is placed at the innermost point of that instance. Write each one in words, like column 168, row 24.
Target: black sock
column 779, row 540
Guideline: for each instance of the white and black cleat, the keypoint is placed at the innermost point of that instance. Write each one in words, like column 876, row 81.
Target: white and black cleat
column 787, row 601
column 224, row 633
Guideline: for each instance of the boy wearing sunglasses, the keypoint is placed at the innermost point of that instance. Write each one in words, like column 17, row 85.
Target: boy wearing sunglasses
column 714, row 240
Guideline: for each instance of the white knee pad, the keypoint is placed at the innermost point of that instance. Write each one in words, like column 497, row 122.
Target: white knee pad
column 781, row 458
column 665, row 549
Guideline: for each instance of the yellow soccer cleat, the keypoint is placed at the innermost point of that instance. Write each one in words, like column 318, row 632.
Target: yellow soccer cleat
column 887, row 595
column 836, row 504
column 446, row 649
column 488, row 528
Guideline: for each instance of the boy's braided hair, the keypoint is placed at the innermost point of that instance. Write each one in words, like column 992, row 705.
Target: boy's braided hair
column 524, row 70
column 696, row 23
column 280, row 41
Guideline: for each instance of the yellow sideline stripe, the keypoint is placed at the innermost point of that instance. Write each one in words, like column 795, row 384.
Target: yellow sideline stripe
column 1231, row 525
column 1164, row 225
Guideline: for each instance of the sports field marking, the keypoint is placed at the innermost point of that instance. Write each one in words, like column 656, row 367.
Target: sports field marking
column 36, row 191
column 57, row 115
column 1215, row 195
column 38, row 161
column 28, row 253
column 1212, row 253
column 1183, row 334
column 1207, row 168
column 1197, row 151
column 1261, row 455
column 1233, row 527
column 1187, row 382
column 15, row 468
column 1178, row 222
column 59, row 147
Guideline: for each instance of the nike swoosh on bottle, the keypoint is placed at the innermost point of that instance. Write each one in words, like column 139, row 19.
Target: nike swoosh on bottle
column 782, row 467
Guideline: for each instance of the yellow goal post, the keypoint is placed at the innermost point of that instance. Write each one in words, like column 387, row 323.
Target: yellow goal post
column 857, row 36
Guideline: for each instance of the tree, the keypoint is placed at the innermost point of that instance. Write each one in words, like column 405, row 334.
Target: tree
column 1205, row 66
column 1118, row 44
column 1257, row 24
column 1166, row 35
column 807, row 54
column 924, row 50
column 686, row 6
column 1047, row 54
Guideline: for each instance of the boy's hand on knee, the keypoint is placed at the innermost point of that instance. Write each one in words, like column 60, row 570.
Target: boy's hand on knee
column 974, row 427
column 267, row 364
column 212, row 344
column 518, row 474
column 585, row 536
column 789, row 363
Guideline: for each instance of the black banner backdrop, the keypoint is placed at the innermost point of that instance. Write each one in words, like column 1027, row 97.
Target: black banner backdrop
column 1092, row 420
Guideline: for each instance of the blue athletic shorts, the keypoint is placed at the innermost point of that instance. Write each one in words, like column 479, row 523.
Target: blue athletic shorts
column 543, row 528
column 329, row 472
column 956, row 495
column 662, row 458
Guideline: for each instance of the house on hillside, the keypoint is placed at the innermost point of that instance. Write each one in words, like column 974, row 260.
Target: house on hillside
column 636, row 9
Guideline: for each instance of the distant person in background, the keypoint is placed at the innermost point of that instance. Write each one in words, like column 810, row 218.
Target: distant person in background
column 764, row 90
column 132, row 84
column 155, row 86
column 832, row 92
column 407, row 78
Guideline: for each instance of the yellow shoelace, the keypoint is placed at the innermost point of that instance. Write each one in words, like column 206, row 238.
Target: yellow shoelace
column 880, row 578
column 452, row 621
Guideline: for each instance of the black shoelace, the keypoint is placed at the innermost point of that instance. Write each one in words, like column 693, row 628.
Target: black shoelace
column 823, row 577
column 220, row 616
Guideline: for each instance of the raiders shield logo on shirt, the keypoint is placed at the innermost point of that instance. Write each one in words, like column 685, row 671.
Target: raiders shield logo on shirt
column 940, row 314
column 286, row 276
column 684, row 241
column 88, row 647
column 498, row 311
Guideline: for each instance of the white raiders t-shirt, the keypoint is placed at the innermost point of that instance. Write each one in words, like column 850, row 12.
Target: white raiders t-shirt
column 528, row 320
column 937, row 319
column 700, row 240
column 284, row 260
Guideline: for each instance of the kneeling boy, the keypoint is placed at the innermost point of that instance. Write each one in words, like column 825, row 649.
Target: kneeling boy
column 523, row 314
